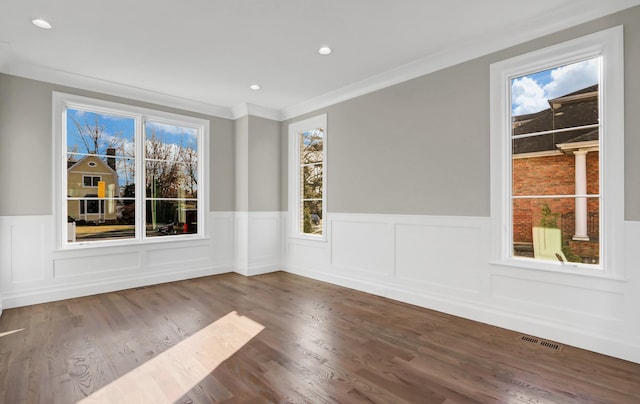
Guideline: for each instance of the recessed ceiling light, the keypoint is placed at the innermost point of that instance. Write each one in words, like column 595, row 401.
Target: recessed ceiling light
column 41, row 23
column 325, row 50
column 255, row 87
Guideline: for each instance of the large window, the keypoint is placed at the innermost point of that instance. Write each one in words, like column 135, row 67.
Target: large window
column 308, row 141
column 557, row 146
column 126, row 174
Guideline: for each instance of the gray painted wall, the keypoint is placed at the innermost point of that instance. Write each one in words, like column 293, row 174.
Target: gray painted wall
column 264, row 164
column 241, row 134
column 25, row 147
column 422, row 146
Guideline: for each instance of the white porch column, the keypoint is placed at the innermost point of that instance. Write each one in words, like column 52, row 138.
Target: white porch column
column 581, row 201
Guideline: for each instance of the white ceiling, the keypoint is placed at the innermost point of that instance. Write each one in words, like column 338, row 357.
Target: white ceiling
column 203, row 54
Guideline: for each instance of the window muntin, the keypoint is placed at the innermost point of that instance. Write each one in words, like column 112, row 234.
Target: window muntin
column 555, row 165
column 307, row 189
column 108, row 148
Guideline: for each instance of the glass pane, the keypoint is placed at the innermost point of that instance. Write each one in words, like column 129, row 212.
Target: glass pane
column 100, row 163
column 168, row 142
column 99, row 134
column 312, row 217
column 171, row 217
column 552, row 100
column 100, row 219
column 311, row 146
column 556, row 174
column 568, row 227
column 311, row 182
column 171, row 180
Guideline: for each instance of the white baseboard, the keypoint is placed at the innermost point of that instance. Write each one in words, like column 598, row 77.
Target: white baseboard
column 67, row 291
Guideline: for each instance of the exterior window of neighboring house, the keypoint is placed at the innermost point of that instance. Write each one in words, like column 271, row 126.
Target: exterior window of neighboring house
column 557, row 133
column 89, row 181
column 144, row 167
column 91, row 205
column 307, row 190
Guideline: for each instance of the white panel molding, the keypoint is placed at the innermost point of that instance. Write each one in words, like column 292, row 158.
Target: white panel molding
column 61, row 274
column 241, row 250
column 593, row 313
column 67, row 290
column 610, row 327
column 222, row 232
column 28, row 250
column 363, row 246
column 259, row 242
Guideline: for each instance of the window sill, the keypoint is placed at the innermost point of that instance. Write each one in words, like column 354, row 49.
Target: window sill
column 572, row 269
column 79, row 246
column 310, row 239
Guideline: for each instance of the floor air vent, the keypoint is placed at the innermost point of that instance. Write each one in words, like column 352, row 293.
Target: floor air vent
column 542, row 343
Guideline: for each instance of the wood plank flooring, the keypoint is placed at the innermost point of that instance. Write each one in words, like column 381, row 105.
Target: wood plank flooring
column 281, row 338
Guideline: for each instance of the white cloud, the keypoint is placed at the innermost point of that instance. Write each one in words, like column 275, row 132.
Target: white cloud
column 573, row 77
column 172, row 129
column 529, row 96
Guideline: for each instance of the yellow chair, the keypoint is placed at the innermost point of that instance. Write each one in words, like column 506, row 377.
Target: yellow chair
column 547, row 244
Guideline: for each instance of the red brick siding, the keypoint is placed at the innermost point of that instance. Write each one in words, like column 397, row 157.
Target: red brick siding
column 553, row 175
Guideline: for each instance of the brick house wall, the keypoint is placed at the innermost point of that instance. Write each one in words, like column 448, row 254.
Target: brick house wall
column 553, row 175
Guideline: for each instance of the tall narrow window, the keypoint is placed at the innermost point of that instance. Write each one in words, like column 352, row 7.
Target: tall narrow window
column 555, row 163
column 128, row 173
column 308, row 186
column 557, row 131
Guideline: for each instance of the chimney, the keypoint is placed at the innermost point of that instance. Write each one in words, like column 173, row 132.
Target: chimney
column 111, row 161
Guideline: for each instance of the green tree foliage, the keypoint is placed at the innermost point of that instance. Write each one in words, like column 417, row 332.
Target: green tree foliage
column 548, row 218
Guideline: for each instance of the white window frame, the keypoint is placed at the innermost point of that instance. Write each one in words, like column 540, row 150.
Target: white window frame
column 319, row 121
column 607, row 44
column 60, row 103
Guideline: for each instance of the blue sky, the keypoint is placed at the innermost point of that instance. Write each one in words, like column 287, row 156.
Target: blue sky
column 530, row 93
column 124, row 129
column 113, row 126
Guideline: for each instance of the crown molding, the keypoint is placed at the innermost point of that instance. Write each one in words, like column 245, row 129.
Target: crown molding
column 60, row 77
column 573, row 14
column 244, row 109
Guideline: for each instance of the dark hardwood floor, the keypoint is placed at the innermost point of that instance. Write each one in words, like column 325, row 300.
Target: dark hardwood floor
column 284, row 338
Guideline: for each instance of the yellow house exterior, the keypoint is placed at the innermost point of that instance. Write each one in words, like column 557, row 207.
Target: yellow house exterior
column 87, row 180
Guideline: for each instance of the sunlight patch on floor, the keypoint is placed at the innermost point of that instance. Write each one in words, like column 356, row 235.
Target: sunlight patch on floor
column 2, row 334
column 173, row 373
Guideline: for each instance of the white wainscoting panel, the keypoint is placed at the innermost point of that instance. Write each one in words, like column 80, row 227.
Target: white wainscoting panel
column 180, row 254
column 32, row 272
column 222, row 232
column 25, row 246
column 88, row 266
column 363, row 245
column 439, row 254
column 443, row 263
column 259, row 242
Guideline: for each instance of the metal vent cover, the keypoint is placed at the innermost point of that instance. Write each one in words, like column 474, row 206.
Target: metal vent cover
column 540, row 342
